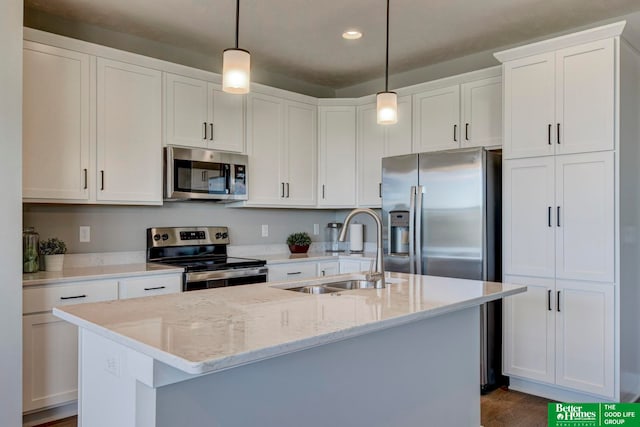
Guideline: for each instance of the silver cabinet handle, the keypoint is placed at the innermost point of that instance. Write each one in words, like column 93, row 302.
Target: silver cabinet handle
column 323, row 191
column 155, row 288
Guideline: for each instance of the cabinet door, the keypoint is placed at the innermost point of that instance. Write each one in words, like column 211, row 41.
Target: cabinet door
column 398, row 140
column 292, row 271
column 529, row 330
column 436, row 119
column 50, row 361
column 135, row 287
column 337, row 156
column 186, row 116
column 265, row 139
column 226, row 113
column 585, row 232
column 55, row 125
column 585, row 88
column 328, row 268
column 585, row 337
column 301, row 159
column 482, row 113
column 350, row 266
column 529, row 102
column 371, row 142
column 529, row 220
column 129, row 132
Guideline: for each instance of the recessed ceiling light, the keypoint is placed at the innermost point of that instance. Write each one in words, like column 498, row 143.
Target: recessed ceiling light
column 351, row 35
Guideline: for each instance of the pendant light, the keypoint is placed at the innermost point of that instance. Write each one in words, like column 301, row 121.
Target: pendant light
column 236, row 65
column 387, row 102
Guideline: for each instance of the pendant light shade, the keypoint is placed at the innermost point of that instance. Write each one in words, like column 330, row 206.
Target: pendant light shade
column 236, row 65
column 387, row 102
column 387, row 107
column 236, row 71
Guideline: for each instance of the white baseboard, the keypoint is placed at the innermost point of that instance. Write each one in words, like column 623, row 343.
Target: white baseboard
column 50, row 414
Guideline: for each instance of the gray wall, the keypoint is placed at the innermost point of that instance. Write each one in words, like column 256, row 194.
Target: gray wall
column 123, row 228
column 10, row 232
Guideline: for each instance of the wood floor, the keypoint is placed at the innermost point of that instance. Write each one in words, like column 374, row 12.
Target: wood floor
column 500, row 408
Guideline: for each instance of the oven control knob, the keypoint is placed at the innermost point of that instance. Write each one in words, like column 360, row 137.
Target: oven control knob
column 225, row 235
column 156, row 237
column 165, row 236
column 218, row 235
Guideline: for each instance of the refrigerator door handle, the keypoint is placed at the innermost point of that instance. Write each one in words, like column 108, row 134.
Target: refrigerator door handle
column 418, row 234
column 412, row 234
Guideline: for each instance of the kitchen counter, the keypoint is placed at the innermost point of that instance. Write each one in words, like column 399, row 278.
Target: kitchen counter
column 96, row 272
column 315, row 256
column 201, row 357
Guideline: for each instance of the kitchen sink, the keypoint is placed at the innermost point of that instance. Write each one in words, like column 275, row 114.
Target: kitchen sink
column 352, row 284
column 314, row 289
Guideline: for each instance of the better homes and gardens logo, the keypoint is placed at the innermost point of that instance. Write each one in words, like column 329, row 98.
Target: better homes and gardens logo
column 593, row 414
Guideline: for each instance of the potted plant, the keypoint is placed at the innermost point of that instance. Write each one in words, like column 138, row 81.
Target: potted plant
column 299, row 242
column 53, row 250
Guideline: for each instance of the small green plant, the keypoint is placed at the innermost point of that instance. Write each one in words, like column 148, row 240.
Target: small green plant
column 299, row 239
column 53, row 246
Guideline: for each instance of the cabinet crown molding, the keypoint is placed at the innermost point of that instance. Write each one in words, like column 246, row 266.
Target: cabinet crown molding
column 574, row 39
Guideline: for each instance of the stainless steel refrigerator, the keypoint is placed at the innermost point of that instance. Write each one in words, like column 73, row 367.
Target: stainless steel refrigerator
column 441, row 213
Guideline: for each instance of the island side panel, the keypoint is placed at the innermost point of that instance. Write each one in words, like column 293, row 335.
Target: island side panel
column 422, row 373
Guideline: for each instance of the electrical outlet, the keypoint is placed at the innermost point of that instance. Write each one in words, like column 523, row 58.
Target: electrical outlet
column 316, row 229
column 112, row 365
column 265, row 230
column 85, row 234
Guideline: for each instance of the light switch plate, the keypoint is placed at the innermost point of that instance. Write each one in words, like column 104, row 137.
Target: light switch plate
column 265, row 230
column 85, row 234
column 316, row 229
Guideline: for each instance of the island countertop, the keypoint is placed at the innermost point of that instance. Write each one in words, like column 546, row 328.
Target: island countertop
column 211, row 330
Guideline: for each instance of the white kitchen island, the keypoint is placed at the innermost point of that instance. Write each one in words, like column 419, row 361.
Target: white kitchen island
column 258, row 355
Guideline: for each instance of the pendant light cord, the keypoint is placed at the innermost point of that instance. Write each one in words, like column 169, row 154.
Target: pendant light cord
column 386, row 66
column 238, row 22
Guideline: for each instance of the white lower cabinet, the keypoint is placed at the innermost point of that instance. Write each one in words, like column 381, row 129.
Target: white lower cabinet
column 561, row 332
column 292, row 271
column 50, row 345
column 328, row 268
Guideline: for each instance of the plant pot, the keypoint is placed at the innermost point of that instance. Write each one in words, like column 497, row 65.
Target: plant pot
column 53, row 262
column 297, row 249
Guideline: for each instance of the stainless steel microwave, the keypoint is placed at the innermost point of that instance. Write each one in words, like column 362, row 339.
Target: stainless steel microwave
column 194, row 174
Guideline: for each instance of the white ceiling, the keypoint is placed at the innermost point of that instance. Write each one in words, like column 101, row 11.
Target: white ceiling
column 302, row 38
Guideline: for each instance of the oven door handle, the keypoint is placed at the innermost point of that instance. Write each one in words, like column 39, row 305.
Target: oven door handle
column 201, row 276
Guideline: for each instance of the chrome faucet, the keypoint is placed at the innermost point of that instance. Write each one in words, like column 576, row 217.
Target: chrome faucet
column 373, row 276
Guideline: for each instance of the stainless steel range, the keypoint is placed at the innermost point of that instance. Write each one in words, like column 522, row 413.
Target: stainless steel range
column 202, row 252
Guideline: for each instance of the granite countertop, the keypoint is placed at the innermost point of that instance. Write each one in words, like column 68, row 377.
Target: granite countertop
column 315, row 256
column 215, row 329
column 96, row 272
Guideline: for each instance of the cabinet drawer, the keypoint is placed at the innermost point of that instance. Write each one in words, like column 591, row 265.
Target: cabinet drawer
column 147, row 286
column 45, row 298
column 292, row 271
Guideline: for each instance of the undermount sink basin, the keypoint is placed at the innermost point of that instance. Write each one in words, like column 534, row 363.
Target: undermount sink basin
column 352, row 284
column 314, row 289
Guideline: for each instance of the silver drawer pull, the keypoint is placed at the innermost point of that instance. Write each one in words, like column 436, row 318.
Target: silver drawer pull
column 74, row 297
column 295, row 272
column 155, row 288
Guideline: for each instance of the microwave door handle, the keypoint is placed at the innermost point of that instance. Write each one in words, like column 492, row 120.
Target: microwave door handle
column 418, row 235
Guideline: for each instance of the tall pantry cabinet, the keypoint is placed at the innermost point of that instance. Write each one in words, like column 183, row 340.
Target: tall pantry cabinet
column 570, row 216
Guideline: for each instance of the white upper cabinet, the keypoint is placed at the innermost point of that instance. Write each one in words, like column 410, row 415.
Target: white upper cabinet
column 199, row 114
column 129, row 133
column 585, row 106
column 337, row 156
column 377, row 141
column 560, row 102
column 282, row 151
column 585, row 231
column 436, row 119
column 56, row 124
column 482, row 113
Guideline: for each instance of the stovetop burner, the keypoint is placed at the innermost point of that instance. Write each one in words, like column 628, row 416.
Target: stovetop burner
column 217, row 264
